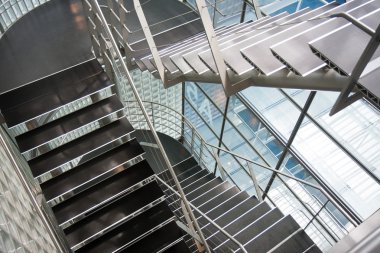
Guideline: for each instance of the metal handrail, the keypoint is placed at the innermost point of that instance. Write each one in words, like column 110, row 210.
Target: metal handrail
column 205, row 216
column 38, row 202
column 114, row 45
column 194, row 131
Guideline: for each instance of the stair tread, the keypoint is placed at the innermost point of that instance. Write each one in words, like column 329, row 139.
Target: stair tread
column 111, row 214
column 61, row 126
column 69, row 76
column 91, row 170
column 80, row 146
column 185, row 165
column 298, row 243
column 156, row 240
column 211, row 194
column 219, row 199
column 234, row 214
column 255, row 225
column 196, row 173
column 263, row 57
column 197, row 186
column 202, row 189
column 313, row 249
column 50, row 101
column 180, row 247
column 91, row 198
column 273, row 235
column 228, row 205
column 130, row 230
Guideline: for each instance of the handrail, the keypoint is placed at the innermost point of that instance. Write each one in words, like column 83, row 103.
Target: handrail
column 38, row 205
column 207, row 146
column 99, row 13
column 205, row 216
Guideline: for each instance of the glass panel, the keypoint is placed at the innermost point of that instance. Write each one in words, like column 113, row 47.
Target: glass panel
column 274, row 106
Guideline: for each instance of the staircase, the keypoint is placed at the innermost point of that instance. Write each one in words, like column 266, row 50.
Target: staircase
column 302, row 50
column 257, row 226
column 72, row 130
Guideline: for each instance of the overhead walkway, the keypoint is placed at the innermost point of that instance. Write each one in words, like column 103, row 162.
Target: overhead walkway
column 330, row 48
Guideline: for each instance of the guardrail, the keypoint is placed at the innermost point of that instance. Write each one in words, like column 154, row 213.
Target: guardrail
column 321, row 212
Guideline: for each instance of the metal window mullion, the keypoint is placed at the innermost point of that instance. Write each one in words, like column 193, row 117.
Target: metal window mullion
column 290, row 140
column 333, row 139
column 233, row 125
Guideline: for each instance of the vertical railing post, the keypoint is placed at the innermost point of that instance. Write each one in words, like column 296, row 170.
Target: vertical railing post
column 192, row 141
column 201, row 151
column 219, row 164
column 255, row 182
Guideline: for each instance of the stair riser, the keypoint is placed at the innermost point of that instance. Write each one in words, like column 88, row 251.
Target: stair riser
column 62, row 111
column 118, row 223
column 96, row 180
column 107, row 201
column 85, row 157
column 145, row 234
column 72, row 135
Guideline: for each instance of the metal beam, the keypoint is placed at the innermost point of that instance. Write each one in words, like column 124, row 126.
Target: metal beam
column 290, row 140
column 344, row 98
column 213, row 42
column 319, row 80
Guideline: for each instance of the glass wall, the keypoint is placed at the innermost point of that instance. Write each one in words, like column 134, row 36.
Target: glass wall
column 244, row 131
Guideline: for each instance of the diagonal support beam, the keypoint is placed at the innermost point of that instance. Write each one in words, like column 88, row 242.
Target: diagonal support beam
column 344, row 98
column 214, row 46
column 150, row 40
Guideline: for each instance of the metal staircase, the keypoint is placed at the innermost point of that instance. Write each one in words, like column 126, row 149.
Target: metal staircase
column 90, row 167
column 257, row 226
column 334, row 47
column 104, row 195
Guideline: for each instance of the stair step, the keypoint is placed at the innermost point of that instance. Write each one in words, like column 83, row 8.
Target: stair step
column 30, row 91
column 313, row 249
column 84, row 203
column 201, row 185
column 256, row 225
column 185, row 165
column 204, row 197
column 211, row 194
column 196, row 174
column 188, row 173
column 112, row 215
column 81, row 150
column 181, row 177
column 229, row 205
column 102, row 112
column 217, row 215
column 156, row 241
column 29, row 111
column 234, row 215
column 130, row 231
column 180, row 247
column 272, row 235
column 219, row 200
column 203, row 189
column 298, row 243
column 88, row 174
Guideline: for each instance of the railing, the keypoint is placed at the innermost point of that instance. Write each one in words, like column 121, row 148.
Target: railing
column 33, row 192
column 106, row 49
column 13, row 10
column 321, row 212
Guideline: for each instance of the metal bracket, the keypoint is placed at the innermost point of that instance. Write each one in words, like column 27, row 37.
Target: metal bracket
column 150, row 40
column 344, row 98
column 214, row 46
